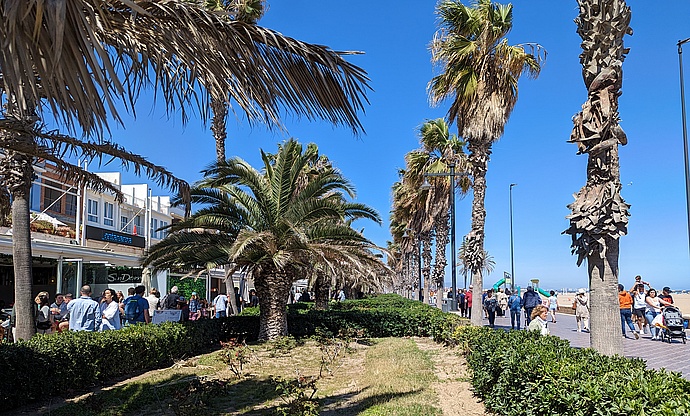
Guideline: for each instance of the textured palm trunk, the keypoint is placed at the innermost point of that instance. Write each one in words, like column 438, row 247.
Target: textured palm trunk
column 218, row 126
column 273, row 289
column 442, row 229
column 599, row 213
column 18, row 172
column 480, row 151
column 321, row 291
column 230, row 289
column 426, row 266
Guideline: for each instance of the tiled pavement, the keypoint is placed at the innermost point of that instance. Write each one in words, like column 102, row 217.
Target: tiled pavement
column 657, row 354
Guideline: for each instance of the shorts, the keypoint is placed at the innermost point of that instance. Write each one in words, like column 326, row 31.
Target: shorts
column 639, row 312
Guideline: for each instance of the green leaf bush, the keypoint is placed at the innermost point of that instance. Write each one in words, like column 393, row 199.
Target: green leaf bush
column 523, row 373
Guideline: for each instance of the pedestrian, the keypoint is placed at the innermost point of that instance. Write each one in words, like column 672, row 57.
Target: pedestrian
column 553, row 305
column 639, row 308
column 462, row 303
column 625, row 302
column 538, row 320
column 136, row 308
column 238, row 299
column 170, row 300
column 58, row 309
column 502, row 299
column 220, row 305
column 63, row 325
column 110, row 311
column 515, row 305
column 469, row 302
column 341, row 295
column 639, row 281
column 529, row 301
column 490, row 306
column 582, row 311
column 654, row 305
column 154, row 299
column 84, row 312
column 44, row 318
column 254, row 298
column 666, row 295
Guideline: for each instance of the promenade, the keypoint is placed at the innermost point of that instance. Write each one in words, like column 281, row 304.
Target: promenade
column 657, row 354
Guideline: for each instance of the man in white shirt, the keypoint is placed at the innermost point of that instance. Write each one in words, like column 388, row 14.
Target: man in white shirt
column 220, row 304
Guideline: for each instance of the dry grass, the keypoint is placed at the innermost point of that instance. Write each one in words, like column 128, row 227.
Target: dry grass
column 389, row 376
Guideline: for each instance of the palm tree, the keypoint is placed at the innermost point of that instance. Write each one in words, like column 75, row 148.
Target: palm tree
column 286, row 222
column 487, row 265
column 599, row 213
column 79, row 58
column 480, row 72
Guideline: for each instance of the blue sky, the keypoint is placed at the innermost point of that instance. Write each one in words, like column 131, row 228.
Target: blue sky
column 533, row 152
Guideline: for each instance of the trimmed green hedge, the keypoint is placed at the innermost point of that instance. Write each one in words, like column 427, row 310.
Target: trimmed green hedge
column 523, row 373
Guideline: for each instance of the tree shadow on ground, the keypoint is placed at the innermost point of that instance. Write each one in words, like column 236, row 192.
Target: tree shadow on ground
column 354, row 407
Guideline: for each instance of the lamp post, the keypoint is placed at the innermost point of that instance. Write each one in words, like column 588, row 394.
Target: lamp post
column 512, row 262
column 453, row 269
column 419, row 267
column 685, row 131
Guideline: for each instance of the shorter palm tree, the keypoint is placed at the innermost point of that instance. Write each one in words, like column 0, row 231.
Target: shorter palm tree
column 275, row 224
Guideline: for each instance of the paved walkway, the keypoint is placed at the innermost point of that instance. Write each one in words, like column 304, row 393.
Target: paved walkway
column 657, row 354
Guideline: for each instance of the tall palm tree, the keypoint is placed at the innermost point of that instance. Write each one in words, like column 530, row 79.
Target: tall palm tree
column 79, row 58
column 599, row 213
column 283, row 224
column 480, row 72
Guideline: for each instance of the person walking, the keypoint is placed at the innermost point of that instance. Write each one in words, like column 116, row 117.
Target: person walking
column 220, row 305
column 529, row 301
column 553, row 305
column 625, row 302
column 502, row 299
column 654, row 305
column 468, row 295
column 639, row 308
column 462, row 303
column 490, row 306
column 582, row 311
column 84, row 312
column 515, row 305
column 136, row 308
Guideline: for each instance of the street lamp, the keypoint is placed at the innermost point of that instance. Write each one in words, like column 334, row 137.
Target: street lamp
column 685, row 131
column 453, row 272
column 512, row 262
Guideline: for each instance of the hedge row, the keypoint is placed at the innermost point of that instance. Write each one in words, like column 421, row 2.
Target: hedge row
column 523, row 373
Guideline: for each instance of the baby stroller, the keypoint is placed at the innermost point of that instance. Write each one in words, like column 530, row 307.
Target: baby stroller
column 673, row 324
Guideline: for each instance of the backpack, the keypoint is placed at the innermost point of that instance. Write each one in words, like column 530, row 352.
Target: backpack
column 491, row 304
column 132, row 310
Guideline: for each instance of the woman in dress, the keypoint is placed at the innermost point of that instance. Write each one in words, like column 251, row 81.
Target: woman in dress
column 44, row 318
column 110, row 311
column 538, row 320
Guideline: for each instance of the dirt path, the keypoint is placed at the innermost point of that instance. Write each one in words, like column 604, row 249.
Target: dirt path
column 453, row 388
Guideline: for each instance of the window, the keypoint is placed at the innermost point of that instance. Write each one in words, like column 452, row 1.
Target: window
column 108, row 214
column 71, row 205
column 154, row 227
column 163, row 233
column 51, row 197
column 92, row 210
column 125, row 226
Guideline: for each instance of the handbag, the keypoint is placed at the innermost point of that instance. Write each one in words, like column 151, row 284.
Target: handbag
column 575, row 304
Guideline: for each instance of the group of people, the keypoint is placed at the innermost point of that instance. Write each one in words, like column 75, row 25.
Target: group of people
column 642, row 306
column 112, row 309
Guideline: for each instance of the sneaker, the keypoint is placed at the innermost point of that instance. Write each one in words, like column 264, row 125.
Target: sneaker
column 637, row 336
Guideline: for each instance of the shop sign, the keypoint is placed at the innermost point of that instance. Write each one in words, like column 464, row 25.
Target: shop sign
column 110, row 236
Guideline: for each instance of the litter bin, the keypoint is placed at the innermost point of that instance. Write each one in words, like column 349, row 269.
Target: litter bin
column 445, row 306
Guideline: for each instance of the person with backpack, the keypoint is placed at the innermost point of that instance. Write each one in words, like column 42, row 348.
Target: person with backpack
column 529, row 301
column 170, row 300
column 136, row 308
column 515, row 305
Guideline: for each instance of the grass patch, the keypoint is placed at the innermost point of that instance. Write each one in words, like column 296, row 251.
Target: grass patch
column 387, row 376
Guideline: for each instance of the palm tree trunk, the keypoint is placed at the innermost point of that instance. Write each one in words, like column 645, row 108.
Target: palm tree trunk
column 18, row 172
column 218, row 126
column 426, row 267
column 442, row 230
column 605, row 316
column 230, row 288
column 321, row 291
column 273, row 289
column 480, row 151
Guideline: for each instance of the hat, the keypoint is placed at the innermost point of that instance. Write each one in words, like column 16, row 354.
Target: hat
column 193, row 293
column 667, row 289
column 180, row 299
column 580, row 291
column 470, row 286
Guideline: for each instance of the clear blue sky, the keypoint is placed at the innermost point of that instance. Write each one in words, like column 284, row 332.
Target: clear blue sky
column 533, row 152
